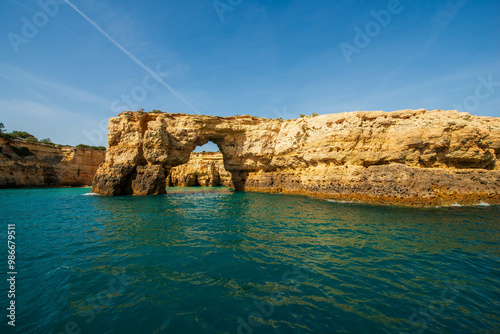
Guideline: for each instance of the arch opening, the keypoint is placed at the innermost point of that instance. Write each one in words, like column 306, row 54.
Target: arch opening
column 205, row 168
column 210, row 146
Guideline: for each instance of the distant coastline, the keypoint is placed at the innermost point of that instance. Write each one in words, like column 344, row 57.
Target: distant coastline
column 26, row 163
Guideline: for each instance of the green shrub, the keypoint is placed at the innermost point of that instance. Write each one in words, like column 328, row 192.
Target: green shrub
column 98, row 148
column 314, row 114
column 46, row 141
column 22, row 135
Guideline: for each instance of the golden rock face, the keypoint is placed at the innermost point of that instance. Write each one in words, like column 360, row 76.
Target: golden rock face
column 409, row 157
column 27, row 164
column 202, row 169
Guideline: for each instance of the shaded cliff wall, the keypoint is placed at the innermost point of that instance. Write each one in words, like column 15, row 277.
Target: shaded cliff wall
column 411, row 157
column 202, row 169
column 26, row 164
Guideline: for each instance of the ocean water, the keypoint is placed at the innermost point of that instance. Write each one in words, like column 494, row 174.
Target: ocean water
column 212, row 261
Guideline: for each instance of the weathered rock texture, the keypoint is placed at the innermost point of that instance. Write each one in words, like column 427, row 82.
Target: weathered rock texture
column 26, row 164
column 202, row 169
column 409, row 157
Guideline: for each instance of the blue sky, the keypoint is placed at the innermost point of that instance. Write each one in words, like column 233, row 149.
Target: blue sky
column 64, row 70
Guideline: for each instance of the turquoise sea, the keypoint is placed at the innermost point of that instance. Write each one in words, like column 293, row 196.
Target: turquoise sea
column 213, row 261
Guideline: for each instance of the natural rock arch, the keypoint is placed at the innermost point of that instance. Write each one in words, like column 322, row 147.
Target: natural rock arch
column 144, row 146
column 203, row 168
column 410, row 157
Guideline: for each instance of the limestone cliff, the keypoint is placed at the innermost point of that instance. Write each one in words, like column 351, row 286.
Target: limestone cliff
column 202, row 169
column 410, row 157
column 28, row 164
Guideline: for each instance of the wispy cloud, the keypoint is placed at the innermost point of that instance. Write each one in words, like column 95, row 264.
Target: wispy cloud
column 53, row 107
column 443, row 18
column 57, row 24
column 43, row 120
column 26, row 108
column 25, row 87
column 36, row 84
column 134, row 58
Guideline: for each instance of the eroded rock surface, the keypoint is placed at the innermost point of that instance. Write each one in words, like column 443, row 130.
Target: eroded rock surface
column 27, row 164
column 202, row 169
column 410, row 157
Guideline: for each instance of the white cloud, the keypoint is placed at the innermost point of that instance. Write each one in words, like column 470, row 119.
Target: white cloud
column 36, row 84
column 443, row 18
column 43, row 120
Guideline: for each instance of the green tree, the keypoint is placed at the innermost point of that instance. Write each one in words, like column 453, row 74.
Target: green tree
column 32, row 139
column 46, row 141
column 2, row 128
column 22, row 135
column 98, row 148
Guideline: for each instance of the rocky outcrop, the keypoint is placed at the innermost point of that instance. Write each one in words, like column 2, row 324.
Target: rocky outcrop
column 202, row 169
column 28, row 164
column 410, row 157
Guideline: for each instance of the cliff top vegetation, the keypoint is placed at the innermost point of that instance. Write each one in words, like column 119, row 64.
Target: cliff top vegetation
column 26, row 136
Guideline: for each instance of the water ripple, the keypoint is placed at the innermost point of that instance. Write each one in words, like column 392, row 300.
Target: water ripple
column 223, row 262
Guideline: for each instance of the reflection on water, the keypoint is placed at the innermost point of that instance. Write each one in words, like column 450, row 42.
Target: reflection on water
column 214, row 261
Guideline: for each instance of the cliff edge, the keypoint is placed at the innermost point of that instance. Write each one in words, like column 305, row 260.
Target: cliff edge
column 28, row 164
column 407, row 157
